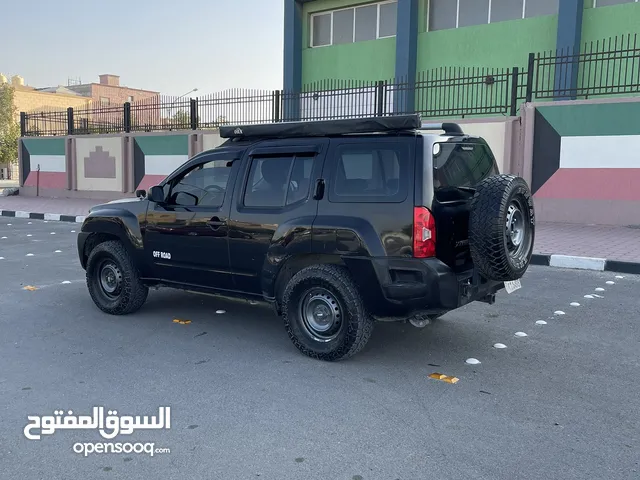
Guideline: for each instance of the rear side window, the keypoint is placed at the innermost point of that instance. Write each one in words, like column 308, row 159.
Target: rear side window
column 370, row 173
column 461, row 164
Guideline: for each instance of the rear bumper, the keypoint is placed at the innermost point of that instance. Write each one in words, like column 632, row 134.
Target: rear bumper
column 403, row 286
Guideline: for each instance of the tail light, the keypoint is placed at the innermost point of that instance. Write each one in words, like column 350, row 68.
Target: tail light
column 424, row 233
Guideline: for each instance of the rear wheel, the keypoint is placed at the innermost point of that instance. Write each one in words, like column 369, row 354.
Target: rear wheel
column 502, row 227
column 113, row 281
column 324, row 315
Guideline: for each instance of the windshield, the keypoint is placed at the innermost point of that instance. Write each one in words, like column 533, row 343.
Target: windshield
column 461, row 164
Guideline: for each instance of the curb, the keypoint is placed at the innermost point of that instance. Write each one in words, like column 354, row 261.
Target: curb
column 56, row 217
column 585, row 263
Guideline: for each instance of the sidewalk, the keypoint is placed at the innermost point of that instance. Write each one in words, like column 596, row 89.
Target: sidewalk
column 62, row 206
column 595, row 247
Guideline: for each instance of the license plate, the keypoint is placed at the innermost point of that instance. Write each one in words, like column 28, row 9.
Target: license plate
column 512, row 286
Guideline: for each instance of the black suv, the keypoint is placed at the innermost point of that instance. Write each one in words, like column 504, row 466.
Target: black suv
column 338, row 224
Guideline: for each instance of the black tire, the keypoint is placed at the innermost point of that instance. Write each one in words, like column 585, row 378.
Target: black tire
column 129, row 293
column 329, row 286
column 501, row 205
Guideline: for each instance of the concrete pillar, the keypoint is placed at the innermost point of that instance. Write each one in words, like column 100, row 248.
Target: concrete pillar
column 292, row 59
column 568, row 42
column 406, row 55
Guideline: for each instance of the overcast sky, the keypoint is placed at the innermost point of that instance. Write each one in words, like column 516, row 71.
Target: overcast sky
column 161, row 45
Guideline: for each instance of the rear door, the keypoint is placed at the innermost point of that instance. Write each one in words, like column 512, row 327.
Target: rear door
column 458, row 166
column 274, row 209
column 367, row 208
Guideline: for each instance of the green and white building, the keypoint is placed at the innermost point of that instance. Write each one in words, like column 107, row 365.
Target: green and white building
column 399, row 39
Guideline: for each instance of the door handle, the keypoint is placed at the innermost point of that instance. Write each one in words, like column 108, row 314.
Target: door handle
column 215, row 222
column 319, row 190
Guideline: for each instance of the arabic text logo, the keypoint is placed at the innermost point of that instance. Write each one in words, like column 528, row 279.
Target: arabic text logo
column 109, row 427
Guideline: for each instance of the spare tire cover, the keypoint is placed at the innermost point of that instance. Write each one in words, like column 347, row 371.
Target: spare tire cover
column 502, row 227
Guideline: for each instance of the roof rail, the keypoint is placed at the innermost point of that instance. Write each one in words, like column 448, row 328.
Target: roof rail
column 395, row 123
column 449, row 128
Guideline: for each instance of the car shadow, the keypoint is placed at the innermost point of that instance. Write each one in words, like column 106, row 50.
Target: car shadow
column 262, row 329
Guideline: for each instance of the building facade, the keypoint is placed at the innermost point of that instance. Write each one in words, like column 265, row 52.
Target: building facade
column 109, row 92
column 31, row 99
column 398, row 39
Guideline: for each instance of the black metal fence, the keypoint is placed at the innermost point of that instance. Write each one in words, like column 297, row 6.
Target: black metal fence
column 610, row 67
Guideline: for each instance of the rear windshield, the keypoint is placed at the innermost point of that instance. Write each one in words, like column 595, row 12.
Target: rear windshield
column 461, row 164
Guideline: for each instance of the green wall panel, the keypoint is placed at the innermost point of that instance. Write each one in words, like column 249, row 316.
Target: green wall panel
column 502, row 44
column 164, row 144
column 372, row 60
column 594, row 119
column 604, row 22
column 45, row 146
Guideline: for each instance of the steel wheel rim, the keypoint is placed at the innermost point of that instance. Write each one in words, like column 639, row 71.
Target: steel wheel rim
column 321, row 315
column 110, row 279
column 516, row 230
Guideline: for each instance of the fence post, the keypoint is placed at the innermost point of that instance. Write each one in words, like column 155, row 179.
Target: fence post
column 193, row 113
column 380, row 90
column 530, row 66
column 70, row 124
column 514, row 91
column 127, row 117
column 23, row 124
column 277, row 99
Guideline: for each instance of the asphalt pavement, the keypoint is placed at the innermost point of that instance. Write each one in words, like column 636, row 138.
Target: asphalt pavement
column 561, row 402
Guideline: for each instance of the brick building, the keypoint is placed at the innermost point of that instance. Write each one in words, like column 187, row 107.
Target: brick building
column 108, row 97
column 109, row 92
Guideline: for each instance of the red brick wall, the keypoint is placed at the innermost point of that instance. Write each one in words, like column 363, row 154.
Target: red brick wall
column 118, row 96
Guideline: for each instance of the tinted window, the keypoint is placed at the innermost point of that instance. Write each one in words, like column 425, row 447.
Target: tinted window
column 442, row 14
column 370, row 174
column 203, row 186
column 366, row 23
column 343, row 26
column 461, row 165
column 473, row 12
column 541, row 7
column 278, row 181
column 502, row 10
column 321, row 30
column 388, row 19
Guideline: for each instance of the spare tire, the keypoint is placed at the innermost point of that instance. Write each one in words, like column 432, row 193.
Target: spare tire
column 502, row 227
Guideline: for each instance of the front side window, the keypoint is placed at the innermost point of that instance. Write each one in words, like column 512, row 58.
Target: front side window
column 203, row 186
column 276, row 181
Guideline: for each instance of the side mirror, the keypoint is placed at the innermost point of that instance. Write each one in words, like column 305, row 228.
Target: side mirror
column 156, row 194
column 141, row 193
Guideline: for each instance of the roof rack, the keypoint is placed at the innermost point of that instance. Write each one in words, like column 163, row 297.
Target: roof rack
column 396, row 123
column 449, row 128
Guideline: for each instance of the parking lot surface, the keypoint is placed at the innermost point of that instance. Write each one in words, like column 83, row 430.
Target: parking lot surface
column 561, row 402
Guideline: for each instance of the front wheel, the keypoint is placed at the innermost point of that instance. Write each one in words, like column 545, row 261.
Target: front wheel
column 113, row 281
column 324, row 315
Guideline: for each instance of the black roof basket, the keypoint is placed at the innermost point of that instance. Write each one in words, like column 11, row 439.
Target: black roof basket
column 390, row 124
